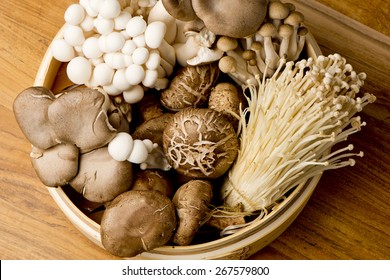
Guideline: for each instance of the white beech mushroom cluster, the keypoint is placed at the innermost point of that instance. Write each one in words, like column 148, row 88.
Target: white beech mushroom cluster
column 185, row 66
column 116, row 45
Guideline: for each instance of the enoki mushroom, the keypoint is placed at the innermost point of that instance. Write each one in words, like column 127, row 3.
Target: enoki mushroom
column 293, row 120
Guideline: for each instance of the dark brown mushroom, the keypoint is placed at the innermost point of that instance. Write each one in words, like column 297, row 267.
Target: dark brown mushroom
column 137, row 221
column 180, row 9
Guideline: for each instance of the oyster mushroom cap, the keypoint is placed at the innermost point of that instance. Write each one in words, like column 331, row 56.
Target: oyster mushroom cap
column 31, row 112
column 137, row 221
column 101, row 178
column 55, row 166
column 232, row 18
column 200, row 143
column 192, row 202
column 79, row 117
column 180, row 9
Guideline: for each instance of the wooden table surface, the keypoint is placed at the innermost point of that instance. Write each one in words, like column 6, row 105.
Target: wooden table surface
column 348, row 214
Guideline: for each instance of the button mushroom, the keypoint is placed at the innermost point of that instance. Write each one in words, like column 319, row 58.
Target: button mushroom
column 137, row 221
column 200, row 143
column 192, row 202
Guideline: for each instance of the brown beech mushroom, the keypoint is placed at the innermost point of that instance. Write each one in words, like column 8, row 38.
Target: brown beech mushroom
column 100, row 177
column 79, row 117
column 156, row 180
column 190, row 87
column 232, row 18
column 200, row 143
column 192, row 202
column 57, row 165
column 30, row 108
column 137, row 221
column 226, row 99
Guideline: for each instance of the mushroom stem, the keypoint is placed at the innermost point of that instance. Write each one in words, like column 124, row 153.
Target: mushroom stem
column 294, row 19
column 302, row 32
column 268, row 30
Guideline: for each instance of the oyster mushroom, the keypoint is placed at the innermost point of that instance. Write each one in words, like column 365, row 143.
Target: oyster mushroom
column 180, row 9
column 192, row 202
column 57, row 165
column 137, row 221
column 31, row 112
column 100, row 177
column 200, row 143
column 79, row 117
column 232, row 18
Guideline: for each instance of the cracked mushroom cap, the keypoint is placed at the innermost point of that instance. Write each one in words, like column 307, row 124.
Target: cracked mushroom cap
column 232, row 18
column 137, row 221
column 200, row 143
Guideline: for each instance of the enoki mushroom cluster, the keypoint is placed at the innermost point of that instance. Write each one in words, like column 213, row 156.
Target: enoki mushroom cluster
column 293, row 120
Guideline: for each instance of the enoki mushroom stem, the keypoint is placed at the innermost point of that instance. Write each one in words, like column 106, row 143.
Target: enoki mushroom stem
column 293, row 120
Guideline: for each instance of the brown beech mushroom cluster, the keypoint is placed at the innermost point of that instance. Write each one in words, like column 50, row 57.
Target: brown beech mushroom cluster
column 280, row 37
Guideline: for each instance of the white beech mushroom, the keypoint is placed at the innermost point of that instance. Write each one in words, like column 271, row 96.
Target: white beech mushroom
column 101, row 178
column 200, row 143
column 192, row 202
column 190, row 87
column 144, row 152
column 55, row 166
column 137, row 221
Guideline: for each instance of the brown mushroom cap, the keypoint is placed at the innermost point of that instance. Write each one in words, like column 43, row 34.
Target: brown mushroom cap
column 57, row 165
column 226, row 99
column 180, row 9
column 192, row 205
column 31, row 112
column 190, row 87
column 78, row 117
column 200, row 143
column 137, row 221
column 232, row 18
column 100, row 177
column 153, row 129
column 278, row 10
column 156, row 180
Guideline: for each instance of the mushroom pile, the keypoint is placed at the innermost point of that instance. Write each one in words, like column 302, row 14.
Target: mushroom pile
column 154, row 125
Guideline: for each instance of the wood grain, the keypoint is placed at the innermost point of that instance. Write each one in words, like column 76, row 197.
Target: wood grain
column 348, row 214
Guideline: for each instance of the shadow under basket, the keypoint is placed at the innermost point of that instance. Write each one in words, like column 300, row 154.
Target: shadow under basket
column 239, row 245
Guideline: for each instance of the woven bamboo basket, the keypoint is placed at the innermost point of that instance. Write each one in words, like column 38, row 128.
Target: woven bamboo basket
column 240, row 245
